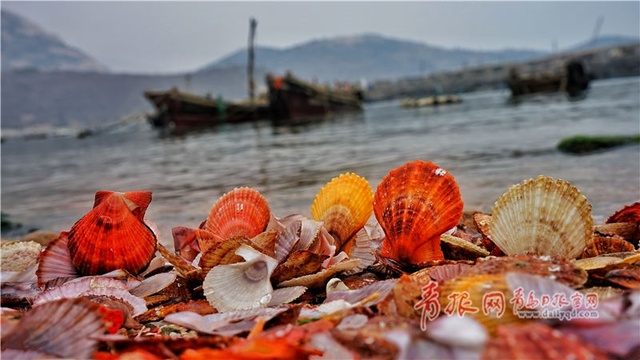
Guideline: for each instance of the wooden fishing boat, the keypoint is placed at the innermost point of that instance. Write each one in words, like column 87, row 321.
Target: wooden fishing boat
column 291, row 98
column 572, row 79
column 182, row 110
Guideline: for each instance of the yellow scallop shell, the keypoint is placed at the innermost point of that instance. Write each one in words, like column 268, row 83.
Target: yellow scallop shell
column 344, row 204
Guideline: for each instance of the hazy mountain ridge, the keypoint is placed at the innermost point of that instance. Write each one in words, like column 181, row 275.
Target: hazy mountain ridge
column 368, row 56
column 37, row 92
column 25, row 45
column 58, row 98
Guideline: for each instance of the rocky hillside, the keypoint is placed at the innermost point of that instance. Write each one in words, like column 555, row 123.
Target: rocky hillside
column 27, row 46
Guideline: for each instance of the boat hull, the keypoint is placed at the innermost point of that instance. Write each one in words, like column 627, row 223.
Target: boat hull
column 293, row 99
column 572, row 80
column 179, row 110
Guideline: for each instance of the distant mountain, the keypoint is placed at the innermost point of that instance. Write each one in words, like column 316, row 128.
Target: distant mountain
column 605, row 41
column 368, row 56
column 93, row 100
column 27, row 46
column 54, row 84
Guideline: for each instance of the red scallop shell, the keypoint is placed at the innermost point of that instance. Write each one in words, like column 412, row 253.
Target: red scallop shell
column 416, row 203
column 240, row 212
column 629, row 213
column 112, row 235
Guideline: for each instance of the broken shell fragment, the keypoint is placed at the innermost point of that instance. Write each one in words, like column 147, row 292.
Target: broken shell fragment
column 542, row 216
column 455, row 248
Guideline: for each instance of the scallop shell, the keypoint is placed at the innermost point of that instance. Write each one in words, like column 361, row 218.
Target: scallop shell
column 112, row 235
column 344, row 205
column 628, row 278
column 182, row 266
column 537, row 341
column 240, row 212
column 222, row 253
column 460, row 296
column 55, row 261
column 606, row 244
column 19, row 255
column 415, row 204
column 298, row 263
column 558, row 269
column 630, row 231
column 320, row 278
column 455, row 248
column 240, row 286
column 630, row 213
column 94, row 286
column 64, row 328
column 542, row 217
column 440, row 273
column 360, row 248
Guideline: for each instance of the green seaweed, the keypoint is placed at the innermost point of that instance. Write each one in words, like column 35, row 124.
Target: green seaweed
column 582, row 144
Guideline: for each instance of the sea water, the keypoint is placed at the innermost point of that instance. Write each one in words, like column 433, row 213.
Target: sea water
column 487, row 142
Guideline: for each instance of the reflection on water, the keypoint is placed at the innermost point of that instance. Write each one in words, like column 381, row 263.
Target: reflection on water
column 486, row 142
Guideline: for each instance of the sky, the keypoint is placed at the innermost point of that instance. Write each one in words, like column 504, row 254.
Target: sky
column 175, row 36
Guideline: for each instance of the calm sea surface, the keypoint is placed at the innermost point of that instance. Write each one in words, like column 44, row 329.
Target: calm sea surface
column 487, row 143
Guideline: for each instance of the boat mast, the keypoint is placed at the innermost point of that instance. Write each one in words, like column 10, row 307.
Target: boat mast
column 252, row 85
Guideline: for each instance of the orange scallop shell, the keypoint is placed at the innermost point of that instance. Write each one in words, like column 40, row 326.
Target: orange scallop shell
column 344, row 205
column 629, row 213
column 415, row 204
column 112, row 235
column 240, row 212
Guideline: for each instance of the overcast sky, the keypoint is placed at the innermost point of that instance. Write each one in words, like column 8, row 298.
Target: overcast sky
column 156, row 36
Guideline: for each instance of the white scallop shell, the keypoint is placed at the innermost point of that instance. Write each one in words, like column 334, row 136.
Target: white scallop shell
column 542, row 217
column 240, row 286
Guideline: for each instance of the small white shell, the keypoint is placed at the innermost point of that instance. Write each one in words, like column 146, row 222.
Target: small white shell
column 240, row 286
column 542, row 217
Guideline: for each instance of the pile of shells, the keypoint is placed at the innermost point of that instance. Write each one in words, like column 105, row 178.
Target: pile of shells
column 402, row 272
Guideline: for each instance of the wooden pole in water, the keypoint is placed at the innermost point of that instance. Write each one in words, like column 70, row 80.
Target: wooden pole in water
column 252, row 85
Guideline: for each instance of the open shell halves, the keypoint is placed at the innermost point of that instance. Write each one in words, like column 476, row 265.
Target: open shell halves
column 244, row 285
